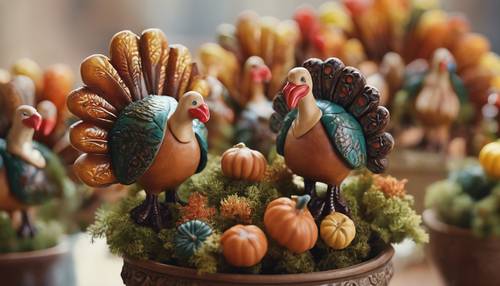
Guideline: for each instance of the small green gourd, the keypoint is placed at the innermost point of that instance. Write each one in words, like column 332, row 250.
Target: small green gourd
column 190, row 237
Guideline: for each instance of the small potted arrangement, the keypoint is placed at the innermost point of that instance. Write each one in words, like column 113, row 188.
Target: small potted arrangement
column 462, row 218
column 32, row 174
column 239, row 217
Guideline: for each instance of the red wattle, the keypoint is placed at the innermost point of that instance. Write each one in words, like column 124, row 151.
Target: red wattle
column 34, row 121
column 202, row 113
column 260, row 74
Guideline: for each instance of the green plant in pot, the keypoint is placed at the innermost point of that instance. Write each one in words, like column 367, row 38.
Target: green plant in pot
column 463, row 219
column 224, row 224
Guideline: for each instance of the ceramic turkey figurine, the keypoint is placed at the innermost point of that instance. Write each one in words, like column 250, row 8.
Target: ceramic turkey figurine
column 252, row 127
column 329, row 123
column 247, row 90
column 21, row 90
column 437, row 96
column 30, row 173
column 272, row 40
column 141, row 114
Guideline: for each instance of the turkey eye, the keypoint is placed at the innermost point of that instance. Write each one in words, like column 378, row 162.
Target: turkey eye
column 194, row 102
column 303, row 79
column 25, row 114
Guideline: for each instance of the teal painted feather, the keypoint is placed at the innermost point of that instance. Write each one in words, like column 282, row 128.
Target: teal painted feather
column 201, row 133
column 343, row 130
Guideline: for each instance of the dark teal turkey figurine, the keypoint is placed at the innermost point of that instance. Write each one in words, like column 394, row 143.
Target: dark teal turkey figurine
column 30, row 173
column 329, row 122
column 142, row 114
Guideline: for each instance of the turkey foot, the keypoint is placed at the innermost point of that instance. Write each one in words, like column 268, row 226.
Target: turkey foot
column 26, row 230
column 151, row 213
column 337, row 203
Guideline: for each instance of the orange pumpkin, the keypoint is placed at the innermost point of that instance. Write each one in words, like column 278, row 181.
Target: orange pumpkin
column 243, row 163
column 244, row 245
column 289, row 222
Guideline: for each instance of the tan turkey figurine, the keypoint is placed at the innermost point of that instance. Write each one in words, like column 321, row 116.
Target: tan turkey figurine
column 252, row 126
column 247, row 90
column 329, row 123
column 142, row 115
column 251, row 59
column 437, row 95
column 30, row 173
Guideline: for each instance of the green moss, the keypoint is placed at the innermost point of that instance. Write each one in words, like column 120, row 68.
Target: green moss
column 393, row 219
column 48, row 234
column 450, row 202
column 486, row 215
column 125, row 237
column 207, row 258
column 295, row 263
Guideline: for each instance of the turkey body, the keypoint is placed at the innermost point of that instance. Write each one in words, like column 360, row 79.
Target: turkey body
column 323, row 163
column 22, row 184
column 437, row 104
column 175, row 160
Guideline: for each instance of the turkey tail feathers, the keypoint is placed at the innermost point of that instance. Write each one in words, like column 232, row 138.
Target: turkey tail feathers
column 281, row 110
column 137, row 67
column 125, row 57
column 154, row 51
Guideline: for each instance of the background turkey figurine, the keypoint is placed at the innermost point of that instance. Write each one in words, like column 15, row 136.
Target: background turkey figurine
column 329, row 123
column 437, row 97
column 141, row 114
column 30, row 173
column 44, row 89
column 251, row 60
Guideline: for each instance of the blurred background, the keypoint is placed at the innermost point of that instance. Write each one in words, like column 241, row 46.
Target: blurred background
column 67, row 31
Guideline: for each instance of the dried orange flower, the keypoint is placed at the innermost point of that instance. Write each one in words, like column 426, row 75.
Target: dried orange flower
column 196, row 208
column 390, row 186
column 237, row 208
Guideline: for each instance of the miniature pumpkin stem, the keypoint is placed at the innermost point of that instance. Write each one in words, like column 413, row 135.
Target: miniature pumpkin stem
column 301, row 201
column 240, row 145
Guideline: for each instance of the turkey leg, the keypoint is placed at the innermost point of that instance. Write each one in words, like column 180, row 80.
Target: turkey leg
column 171, row 196
column 337, row 203
column 316, row 204
column 151, row 213
column 26, row 230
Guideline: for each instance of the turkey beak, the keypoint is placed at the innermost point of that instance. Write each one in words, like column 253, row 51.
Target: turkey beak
column 294, row 93
column 202, row 113
column 34, row 121
column 47, row 126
